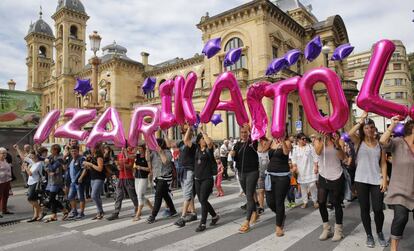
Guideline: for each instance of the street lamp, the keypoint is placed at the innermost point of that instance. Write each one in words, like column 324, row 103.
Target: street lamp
column 95, row 41
column 325, row 50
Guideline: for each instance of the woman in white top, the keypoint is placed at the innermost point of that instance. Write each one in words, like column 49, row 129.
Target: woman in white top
column 331, row 182
column 370, row 177
column 304, row 161
column 34, row 170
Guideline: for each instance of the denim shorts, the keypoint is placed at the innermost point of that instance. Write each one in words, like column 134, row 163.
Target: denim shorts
column 76, row 190
column 187, row 184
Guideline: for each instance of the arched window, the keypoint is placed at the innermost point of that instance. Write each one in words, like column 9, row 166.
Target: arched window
column 42, row 51
column 74, row 31
column 235, row 43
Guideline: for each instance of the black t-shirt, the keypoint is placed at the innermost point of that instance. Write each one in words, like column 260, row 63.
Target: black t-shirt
column 94, row 174
column 187, row 155
column 246, row 156
column 279, row 162
column 141, row 161
column 203, row 168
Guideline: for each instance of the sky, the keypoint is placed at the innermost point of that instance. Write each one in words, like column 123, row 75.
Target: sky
column 167, row 29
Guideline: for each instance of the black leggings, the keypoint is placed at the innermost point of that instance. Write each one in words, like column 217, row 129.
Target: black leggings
column 365, row 191
column 399, row 221
column 336, row 189
column 203, row 189
column 161, row 192
column 276, row 197
column 248, row 182
column 54, row 203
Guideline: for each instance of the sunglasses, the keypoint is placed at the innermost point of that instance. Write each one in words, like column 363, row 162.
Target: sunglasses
column 303, row 138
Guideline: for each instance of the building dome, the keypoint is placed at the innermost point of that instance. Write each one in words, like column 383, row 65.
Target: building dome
column 74, row 5
column 40, row 26
column 114, row 48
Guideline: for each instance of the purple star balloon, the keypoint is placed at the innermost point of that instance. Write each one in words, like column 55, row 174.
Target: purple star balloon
column 197, row 123
column 276, row 65
column 345, row 137
column 313, row 49
column 148, row 85
column 342, row 52
column 399, row 130
column 83, row 86
column 292, row 56
column 232, row 56
column 216, row 119
column 212, row 47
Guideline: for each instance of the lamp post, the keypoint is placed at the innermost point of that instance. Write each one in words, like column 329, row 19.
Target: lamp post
column 325, row 50
column 95, row 41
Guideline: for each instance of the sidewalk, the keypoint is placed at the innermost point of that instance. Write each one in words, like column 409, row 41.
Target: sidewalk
column 19, row 206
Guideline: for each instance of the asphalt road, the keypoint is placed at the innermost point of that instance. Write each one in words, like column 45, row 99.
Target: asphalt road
column 302, row 228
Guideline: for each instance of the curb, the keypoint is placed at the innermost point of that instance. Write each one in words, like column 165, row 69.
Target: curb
column 13, row 221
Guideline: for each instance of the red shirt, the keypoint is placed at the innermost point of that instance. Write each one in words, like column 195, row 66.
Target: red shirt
column 125, row 173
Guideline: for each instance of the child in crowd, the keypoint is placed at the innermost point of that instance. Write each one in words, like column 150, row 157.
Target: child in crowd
column 219, row 178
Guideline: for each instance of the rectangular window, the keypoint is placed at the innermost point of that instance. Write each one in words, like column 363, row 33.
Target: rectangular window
column 387, row 82
column 398, row 81
column 387, row 95
column 233, row 130
column 399, row 95
column 177, row 133
column 274, row 51
column 397, row 66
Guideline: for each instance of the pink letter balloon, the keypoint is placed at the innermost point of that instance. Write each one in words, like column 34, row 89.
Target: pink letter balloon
column 167, row 118
column 78, row 118
column 225, row 80
column 255, row 94
column 368, row 98
column 184, row 108
column 138, row 125
column 280, row 92
column 99, row 132
column 340, row 113
column 46, row 126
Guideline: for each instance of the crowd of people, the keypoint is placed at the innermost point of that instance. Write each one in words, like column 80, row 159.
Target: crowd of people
column 321, row 168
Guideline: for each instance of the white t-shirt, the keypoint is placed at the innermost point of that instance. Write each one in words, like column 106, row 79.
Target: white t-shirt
column 36, row 170
column 329, row 164
column 305, row 159
column 368, row 168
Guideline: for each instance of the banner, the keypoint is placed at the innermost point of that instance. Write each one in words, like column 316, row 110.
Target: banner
column 19, row 109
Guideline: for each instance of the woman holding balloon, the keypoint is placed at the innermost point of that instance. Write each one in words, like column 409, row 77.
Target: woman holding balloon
column 370, row 177
column 401, row 188
column 329, row 148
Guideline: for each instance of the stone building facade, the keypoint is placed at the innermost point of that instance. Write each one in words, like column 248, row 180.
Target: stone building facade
column 263, row 29
column 396, row 86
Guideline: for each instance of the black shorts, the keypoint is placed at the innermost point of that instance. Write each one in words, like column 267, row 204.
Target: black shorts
column 32, row 193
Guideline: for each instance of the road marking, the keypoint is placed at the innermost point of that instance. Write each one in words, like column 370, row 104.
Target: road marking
column 169, row 228
column 294, row 232
column 357, row 238
column 38, row 240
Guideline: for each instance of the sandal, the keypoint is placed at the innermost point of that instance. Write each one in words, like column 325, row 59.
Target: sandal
column 244, row 229
column 50, row 220
column 32, row 219
column 65, row 216
column 136, row 218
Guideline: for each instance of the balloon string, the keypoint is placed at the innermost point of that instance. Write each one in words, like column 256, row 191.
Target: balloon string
column 25, row 135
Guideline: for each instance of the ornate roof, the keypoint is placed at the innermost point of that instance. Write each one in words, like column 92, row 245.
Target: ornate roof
column 40, row 26
column 114, row 48
column 74, row 5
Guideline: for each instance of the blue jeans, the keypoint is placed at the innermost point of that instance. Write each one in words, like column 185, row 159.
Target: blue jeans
column 76, row 189
column 97, row 188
